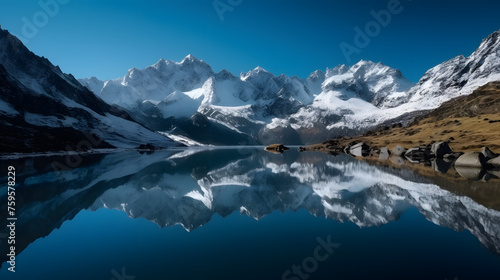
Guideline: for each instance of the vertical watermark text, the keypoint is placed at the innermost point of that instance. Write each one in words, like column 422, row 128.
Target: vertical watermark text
column 11, row 217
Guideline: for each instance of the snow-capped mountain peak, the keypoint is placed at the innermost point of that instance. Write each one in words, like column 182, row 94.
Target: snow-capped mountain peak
column 190, row 59
column 342, row 100
column 457, row 76
column 316, row 75
column 257, row 71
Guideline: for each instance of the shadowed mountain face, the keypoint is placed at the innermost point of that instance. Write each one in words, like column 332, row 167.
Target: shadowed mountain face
column 189, row 187
column 44, row 109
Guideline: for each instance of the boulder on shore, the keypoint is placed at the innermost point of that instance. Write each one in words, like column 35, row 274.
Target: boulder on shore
column 359, row 150
column 471, row 159
column 487, row 153
column 439, row 149
column 398, row 150
column 417, row 154
column 452, row 156
column 384, row 153
column 276, row 148
column 495, row 161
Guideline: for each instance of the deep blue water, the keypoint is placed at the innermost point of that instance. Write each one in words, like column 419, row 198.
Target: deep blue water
column 244, row 214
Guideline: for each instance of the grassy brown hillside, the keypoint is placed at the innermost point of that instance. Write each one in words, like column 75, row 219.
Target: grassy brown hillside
column 467, row 123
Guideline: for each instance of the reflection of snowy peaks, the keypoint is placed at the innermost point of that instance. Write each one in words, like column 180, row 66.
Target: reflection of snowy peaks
column 271, row 108
column 341, row 189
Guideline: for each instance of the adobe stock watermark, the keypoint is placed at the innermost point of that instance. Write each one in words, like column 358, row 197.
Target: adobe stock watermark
column 363, row 37
column 48, row 9
column 223, row 6
column 309, row 265
column 122, row 276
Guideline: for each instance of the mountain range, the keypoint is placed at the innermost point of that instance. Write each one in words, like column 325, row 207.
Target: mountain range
column 188, row 99
column 172, row 103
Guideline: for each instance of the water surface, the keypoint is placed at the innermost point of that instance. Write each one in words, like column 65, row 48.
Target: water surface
column 247, row 214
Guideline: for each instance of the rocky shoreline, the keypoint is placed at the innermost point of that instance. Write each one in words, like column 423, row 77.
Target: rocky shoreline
column 462, row 133
column 473, row 165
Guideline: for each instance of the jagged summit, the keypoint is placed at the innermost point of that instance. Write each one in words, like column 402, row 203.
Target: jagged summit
column 190, row 58
column 254, row 72
column 318, row 74
column 225, row 74
column 458, row 76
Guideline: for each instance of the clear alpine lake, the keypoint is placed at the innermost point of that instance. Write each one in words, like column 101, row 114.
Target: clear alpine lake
column 244, row 213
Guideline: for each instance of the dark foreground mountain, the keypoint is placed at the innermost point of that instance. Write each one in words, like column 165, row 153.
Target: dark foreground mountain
column 43, row 109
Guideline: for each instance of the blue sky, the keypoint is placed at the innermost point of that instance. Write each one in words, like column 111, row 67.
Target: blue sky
column 106, row 38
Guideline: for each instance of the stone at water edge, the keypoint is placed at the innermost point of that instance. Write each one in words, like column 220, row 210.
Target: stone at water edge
column 359, row 150
column 439, row 149
column 417, row 154
column 471, row 159
column 398, row 150
column 470, row 173
column 397, row 160
column 453, row 156
column 495, row 161
column 441, row 165
column 488, row 154
column 276, row 148
column 384, row 153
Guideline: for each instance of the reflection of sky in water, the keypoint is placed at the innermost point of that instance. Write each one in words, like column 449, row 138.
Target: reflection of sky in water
column 247, row 214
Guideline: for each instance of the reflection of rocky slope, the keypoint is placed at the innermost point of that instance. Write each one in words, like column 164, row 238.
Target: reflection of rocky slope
column 189, row 187
column 45, row 199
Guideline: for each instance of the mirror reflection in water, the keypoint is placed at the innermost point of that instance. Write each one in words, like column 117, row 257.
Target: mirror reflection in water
column 248, row 214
